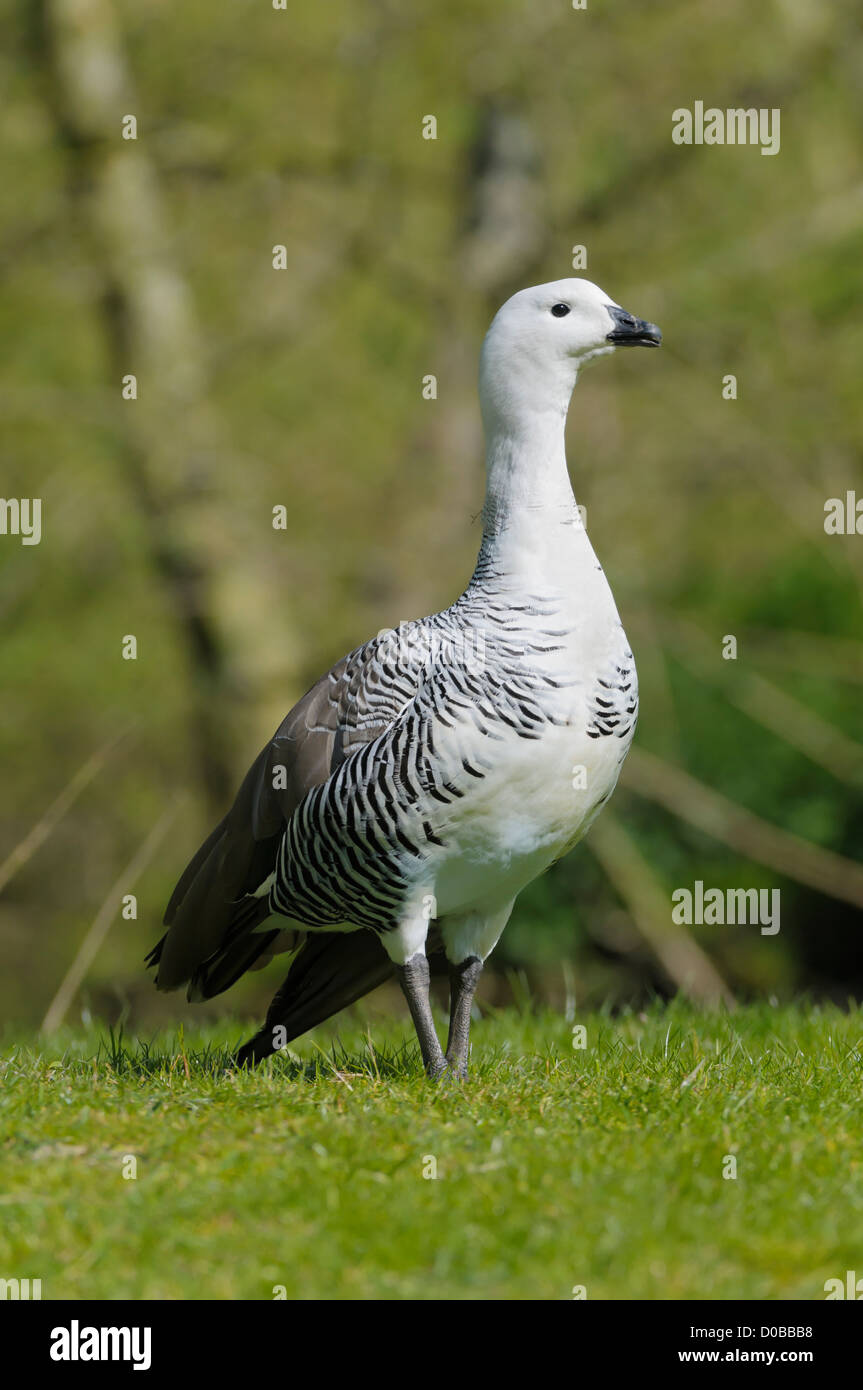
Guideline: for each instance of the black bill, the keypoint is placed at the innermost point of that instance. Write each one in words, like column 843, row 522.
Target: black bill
column 629, row 331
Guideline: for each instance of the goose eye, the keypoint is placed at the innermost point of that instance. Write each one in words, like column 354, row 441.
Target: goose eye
column 559, row 310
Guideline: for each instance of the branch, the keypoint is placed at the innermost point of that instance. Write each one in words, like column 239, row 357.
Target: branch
column 36, row 838
column 680, row 956
column 745, row 832
column 104, row 919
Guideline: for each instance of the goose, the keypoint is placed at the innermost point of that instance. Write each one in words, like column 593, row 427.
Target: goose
column 417, row 788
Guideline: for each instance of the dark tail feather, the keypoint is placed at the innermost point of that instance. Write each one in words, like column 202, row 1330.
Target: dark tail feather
column 239, row 951
column 153, row 957
column 217, row 976
column 332, row 970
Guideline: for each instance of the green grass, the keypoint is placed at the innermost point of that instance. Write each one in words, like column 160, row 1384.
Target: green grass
column 556, row 1167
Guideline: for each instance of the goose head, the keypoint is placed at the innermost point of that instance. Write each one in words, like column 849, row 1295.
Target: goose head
column 541, row 338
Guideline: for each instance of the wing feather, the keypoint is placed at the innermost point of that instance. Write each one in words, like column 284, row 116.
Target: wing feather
column 208, row 911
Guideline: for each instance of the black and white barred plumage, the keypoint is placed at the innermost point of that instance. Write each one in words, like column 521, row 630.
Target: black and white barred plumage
column 465, row 678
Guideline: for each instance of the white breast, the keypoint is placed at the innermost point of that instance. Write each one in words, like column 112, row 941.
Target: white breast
column 538, row 797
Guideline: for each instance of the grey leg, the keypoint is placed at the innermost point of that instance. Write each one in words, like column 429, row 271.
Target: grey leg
column 414, row 980
column 463, row 980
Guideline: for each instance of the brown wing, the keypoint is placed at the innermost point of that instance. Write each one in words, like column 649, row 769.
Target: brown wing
column 210, row 916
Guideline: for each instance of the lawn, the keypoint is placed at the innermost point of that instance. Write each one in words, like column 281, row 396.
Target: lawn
column 556, row 1166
